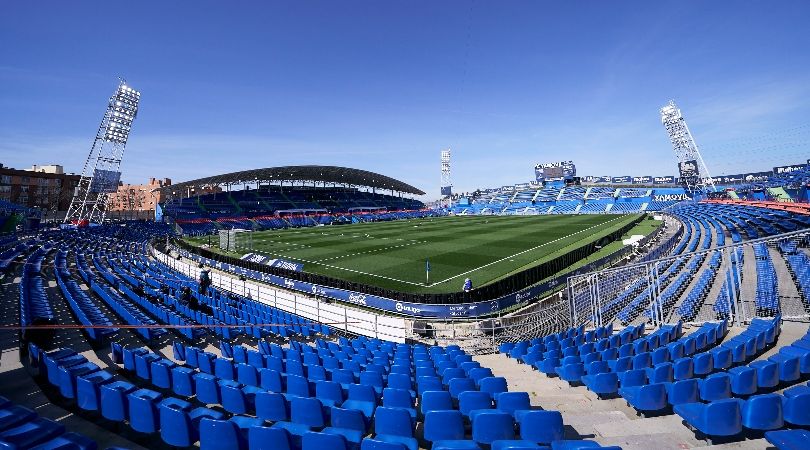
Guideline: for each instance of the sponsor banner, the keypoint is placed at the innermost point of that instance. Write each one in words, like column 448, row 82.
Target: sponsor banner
column 783, row 170
column 689, row 169
column 273, row 262
column 757, row 177
column 645, row 179
column 588, row 179
column 671, row 197
column 604, row 179
column 625, row 179
column 441, row 311
column 447, row 190
column 729, row 179
column 507, row 188
column 522, row 186
column 664, row 180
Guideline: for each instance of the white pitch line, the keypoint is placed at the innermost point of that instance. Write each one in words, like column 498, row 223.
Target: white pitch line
column 524, row 251
column 343, row 268
column 367, row 252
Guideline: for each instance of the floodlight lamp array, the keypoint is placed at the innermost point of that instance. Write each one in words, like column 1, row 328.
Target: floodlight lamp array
column 121, row 112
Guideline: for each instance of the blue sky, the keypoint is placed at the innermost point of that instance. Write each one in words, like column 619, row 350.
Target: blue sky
column 384, row 86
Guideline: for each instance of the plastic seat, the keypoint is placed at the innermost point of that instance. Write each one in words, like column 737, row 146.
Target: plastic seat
column 716, row 386
column 480, row 373
column 720, row 418
column 721, row 357
column 796, row 407
column 143, row 364
column 493, row 385
column 622, row 364
column 602, row 383
column 642, row 360
column 648, row 398
column 490, row 426
column 399, row 398
column 68, row 441
column 183, row 381
column 161, row 373
column 320, row 441
column 789, row 439
column 571, row 372
column 436, row 400
column 374, row 444
column 362, row 398
column 473, row 401
column 221, row 435
column 306, row 414
column 330, row 393
column 703, row 364
column 31, row 433
column 298, row 386
column 15, row 415
column 763, row 412
column 789, row 369
column 349, row 423
column 271, row 406
column 445, row 429
column 238, row 399
column 541, row 427
column 267, row 438
column 513, row 403
column 683, row 369
column 88, row 389
column 683, row 391
column 743, row 380
column 459, row 385
column 114, row 400
column 633, row 377
column 767, row 373
column 373, row 379
column 394, row 425
column 179, row 422
column 143, row 410
column 247, row 374
column 662, row 373
column 548, row 365
column 206, row 387
column 271, row 380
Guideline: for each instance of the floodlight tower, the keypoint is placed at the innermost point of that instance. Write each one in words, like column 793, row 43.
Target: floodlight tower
column 102, row 169
column 692, row 170
column 447, row 185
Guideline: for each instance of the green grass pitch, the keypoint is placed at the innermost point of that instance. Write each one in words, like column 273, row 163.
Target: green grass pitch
column 393, row 254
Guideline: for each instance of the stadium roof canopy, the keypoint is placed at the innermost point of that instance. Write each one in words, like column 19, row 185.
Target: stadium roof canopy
column 321, row 174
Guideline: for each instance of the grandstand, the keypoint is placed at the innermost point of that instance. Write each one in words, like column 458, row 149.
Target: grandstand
column 258, row 365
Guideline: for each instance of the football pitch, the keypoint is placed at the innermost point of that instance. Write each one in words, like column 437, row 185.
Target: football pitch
column 393, row 255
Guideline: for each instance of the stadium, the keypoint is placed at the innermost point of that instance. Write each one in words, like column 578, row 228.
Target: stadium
column 309, row 306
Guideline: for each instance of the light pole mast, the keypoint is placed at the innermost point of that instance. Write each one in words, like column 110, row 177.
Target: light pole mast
column 694, row 175
column 102, row 169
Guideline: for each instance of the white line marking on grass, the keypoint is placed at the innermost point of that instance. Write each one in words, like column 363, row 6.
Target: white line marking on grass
column 343, row 268
column 524, row 251
column 370, row 251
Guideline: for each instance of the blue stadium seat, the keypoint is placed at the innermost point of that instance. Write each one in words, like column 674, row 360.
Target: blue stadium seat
column 349, row 423
column 179, row 422
column 394, row 425
column 493, row 385
column 269, row 438
column 271, row 380
column 684, row 391
column 88, row 389
column 716, row 386
column 789, row 439
column 399, row 398
column 513, row 403
column 362, row 398
column 473, row 401
column 183, row 381
column 437, row 400
column 602, row 383
column 490, row 426
column 646, row 398
column 767, row 373
column 720, row 418
column 272, row 406
column 763, row 412
column 541, row 427
column 797, row 405
column 31, row 433
column 320, row 441
column 743, row 380
column 143, row 410
column 306, row 414
column 445, row 429
column 114, row 400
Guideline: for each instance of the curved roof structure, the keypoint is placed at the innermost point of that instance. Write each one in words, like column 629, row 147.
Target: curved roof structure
column 323, row 174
